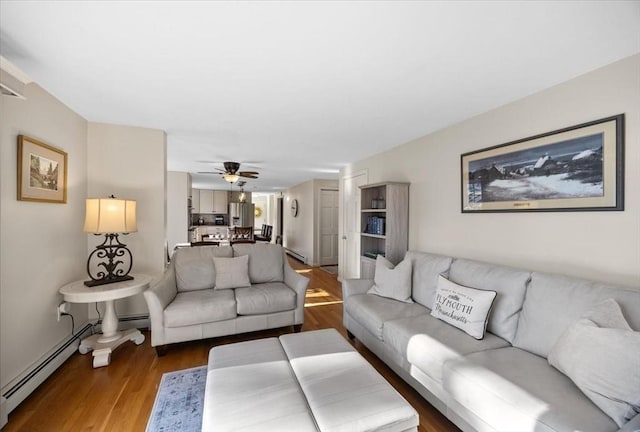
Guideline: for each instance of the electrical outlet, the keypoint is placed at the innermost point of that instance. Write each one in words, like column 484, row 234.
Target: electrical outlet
column 63, row 309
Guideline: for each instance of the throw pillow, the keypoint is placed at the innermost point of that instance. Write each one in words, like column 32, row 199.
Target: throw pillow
column 392, row 282
column 463, row 307
column 232, row 272
column 600, row 353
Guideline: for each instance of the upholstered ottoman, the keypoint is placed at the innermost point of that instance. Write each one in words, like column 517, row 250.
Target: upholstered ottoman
column 251, row 387
column 306, row 381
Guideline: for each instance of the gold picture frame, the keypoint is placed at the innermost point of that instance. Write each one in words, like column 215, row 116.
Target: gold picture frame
column 42, row 172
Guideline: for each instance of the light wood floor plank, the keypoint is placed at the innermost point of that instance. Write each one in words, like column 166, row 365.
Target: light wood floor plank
column 119, row 397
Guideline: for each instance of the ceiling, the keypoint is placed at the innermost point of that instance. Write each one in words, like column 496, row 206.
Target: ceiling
column 298, row 90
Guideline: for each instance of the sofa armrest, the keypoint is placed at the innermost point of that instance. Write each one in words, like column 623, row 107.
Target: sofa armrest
column 632, row 425
column 355, row 286
column 299, row 284
column 158, row 297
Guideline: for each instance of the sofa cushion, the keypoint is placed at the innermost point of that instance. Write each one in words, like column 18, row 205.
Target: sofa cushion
column 265, row 298
column 373, row 311
column 232, row 272
column 426, row 269
column 513, row 390
column 266, row 261
column 392, row 282
column 589, row 348
column 194, row 266
column 509, row 283
column 426, row 342
column 462, row 307
column 554, row 302
column 199, row 307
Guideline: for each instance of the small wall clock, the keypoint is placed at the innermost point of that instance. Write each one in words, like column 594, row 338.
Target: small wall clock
column 294, row 208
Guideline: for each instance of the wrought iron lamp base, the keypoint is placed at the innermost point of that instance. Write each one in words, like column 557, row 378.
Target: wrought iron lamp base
column 107, row 259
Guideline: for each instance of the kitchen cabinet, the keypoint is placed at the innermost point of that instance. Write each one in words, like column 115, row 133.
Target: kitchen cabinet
column 220, row 201
column 206, row 201
column 211, row 201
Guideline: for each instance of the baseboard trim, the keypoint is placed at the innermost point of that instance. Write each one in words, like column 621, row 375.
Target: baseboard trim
column 296, row 255
column 4, row 415
column 21, row 387
column 18, row 389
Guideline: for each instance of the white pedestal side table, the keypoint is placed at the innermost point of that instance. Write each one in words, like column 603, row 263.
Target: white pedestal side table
column 103, row 344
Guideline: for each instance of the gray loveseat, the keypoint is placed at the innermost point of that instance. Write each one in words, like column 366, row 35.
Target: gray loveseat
column 502, row 382
column 186, row 305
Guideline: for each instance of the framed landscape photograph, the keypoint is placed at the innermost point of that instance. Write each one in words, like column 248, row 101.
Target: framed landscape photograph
column 42, row 172
column 580, row 168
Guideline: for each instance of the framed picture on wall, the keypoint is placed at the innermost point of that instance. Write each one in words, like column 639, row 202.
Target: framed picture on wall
column 42, row 172
column 579, row 168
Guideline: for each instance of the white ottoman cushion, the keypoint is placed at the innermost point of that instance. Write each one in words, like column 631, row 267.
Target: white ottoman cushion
column 345, row 393
column 251, row 387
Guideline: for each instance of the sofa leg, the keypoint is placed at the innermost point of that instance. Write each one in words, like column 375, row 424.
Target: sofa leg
column 297, row 328
column 351, row 335
column 161, row 350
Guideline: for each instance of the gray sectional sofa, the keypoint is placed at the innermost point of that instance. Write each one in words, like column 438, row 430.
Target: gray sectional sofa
column 188, row 304
column 504, row 381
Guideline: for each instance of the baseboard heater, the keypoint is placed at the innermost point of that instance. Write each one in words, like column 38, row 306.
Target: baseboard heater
column 24, row 386
column 15, row 392
column 296, row 255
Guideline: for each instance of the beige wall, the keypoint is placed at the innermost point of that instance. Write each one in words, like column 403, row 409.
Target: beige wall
column 130, row 162
column 596, row 245
column 298, row 231
column 43, row 246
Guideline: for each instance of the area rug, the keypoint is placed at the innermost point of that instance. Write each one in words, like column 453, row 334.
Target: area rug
column 179, row 402
column 330, row 269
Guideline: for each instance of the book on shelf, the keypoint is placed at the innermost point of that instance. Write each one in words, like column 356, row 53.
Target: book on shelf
column 376, row 225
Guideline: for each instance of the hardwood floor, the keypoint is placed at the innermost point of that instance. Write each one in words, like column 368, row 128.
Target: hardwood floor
column 119, row 397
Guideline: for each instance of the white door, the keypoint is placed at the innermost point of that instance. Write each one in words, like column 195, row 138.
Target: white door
column 328, row 227
column 350, row 266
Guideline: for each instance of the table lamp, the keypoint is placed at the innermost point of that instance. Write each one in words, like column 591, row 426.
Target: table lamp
column 109, row 216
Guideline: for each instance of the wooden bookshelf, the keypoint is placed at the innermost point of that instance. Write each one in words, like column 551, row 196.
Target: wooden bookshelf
column 384, row 222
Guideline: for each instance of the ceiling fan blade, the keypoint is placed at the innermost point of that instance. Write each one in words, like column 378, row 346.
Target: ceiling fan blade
column 208, row 172
column 248, row 173
column 251, row 176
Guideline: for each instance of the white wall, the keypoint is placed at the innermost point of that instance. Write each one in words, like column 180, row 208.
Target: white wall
column 42, row 245
column 596, row 245
column 261, row 201
column 301, row 233
column 130, row 162
column 178, row 184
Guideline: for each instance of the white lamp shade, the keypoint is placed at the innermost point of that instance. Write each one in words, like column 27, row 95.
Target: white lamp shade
column 231, row 178
column 110, row 215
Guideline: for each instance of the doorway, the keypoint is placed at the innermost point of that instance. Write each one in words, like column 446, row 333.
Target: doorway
column 350, row 259
column 279, row 220
column 328, row 223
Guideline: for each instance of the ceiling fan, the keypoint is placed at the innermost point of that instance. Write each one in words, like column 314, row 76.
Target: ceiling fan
column 231, row 174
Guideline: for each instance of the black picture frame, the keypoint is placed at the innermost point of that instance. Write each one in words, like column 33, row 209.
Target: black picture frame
column 578, row 168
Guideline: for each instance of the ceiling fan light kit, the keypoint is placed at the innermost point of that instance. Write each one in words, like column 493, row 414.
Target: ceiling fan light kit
column 231, row 178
